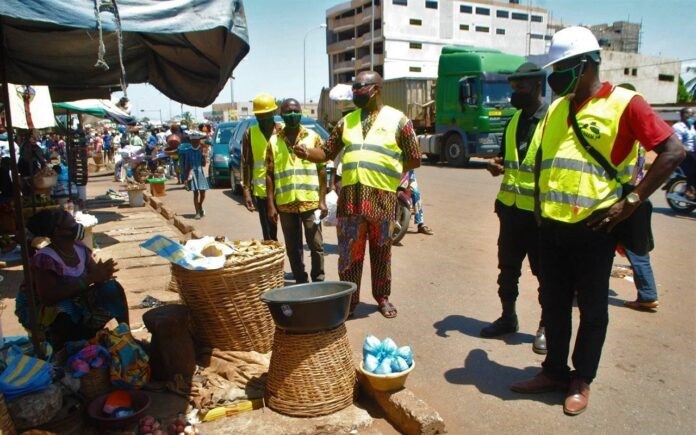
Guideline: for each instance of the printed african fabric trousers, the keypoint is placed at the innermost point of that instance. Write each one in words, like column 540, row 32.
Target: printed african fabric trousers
column 354, row 232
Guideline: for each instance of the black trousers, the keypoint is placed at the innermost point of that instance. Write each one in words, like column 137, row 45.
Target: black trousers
column 268, row 227
column 575, row 260
column 292, row 224
column 518, row 237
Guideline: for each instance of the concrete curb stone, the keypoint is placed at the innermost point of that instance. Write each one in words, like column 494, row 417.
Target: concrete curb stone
column 167, row 212
column 182, row 225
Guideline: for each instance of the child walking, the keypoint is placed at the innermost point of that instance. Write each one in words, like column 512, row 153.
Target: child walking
column 193, row 161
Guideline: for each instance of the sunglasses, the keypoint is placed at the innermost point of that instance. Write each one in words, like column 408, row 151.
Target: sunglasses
column 358, row 86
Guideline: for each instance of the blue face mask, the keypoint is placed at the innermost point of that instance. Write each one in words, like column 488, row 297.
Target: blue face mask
column 691, row 121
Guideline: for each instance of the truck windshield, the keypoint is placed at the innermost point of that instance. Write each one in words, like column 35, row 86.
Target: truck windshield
column 496, row 94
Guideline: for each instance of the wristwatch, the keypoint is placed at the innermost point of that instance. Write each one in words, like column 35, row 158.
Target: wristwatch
column 633, row 198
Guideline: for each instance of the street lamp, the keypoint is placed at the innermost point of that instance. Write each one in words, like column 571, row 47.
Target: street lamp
column 154, row 110
column 304, row 61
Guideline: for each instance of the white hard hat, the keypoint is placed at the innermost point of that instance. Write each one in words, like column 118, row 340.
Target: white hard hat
column 341, row 92
column 570, row 42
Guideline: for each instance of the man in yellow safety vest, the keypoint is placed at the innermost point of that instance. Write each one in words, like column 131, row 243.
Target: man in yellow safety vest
column 296, row 190
column 254, row 146
column 588, row 148
column 379, row 145
column 514, row 205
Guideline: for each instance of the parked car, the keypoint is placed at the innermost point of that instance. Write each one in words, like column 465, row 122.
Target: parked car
column 236, row 146
column 219, row 171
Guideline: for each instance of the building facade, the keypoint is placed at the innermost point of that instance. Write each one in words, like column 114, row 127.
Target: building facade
column 618, row 36
column 403, row 38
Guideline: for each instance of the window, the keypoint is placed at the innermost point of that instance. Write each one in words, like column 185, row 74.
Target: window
column 431, row 4
column 665, row 77
column 483, row 29
column 483, row 11
column 415, row 45
column 627, row 71
column 519, row 16
column 634, row 72
column 464, row 9
column 414, row 69
column 400, row 2
column 537, row 19
column 499, row 31
column 463, row 27
column 502, row 14
column 415, row 22
column 536, row 36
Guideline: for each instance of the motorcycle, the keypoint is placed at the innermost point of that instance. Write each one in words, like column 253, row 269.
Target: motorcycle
column 675, row 193
column 403, row 211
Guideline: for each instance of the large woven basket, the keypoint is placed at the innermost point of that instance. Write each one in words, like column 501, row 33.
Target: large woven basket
column 95, row 383
column 311, row 374
column 225, row 307
column 6, row 423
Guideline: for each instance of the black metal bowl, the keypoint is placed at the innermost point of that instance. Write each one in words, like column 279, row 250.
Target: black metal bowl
column 310, row 307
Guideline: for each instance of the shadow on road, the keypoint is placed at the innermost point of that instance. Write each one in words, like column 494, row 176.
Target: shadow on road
column 239, row 199
column 364, row 310
column 669, row 212
column 494, row 379
column 472, row 327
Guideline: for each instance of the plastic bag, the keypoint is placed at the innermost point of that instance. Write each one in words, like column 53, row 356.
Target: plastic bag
column 398, row 365
column 331, row 204
column 372, row 346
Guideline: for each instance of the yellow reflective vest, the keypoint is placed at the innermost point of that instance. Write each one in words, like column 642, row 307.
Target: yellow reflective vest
column 517, row 187
column 259, row 145
column 294, row 179
column 572, row 185
column 374, row 160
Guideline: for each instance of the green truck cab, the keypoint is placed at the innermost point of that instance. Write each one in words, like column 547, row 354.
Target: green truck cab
column 472, row 103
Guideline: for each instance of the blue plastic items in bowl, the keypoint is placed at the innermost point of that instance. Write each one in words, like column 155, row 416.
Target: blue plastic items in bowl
column 310, row 307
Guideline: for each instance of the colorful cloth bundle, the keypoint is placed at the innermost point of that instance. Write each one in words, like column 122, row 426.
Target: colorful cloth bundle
column 24, row 374
column 90, row 357
column 129, row 363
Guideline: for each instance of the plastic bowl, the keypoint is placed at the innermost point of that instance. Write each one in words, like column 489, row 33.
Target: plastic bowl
column 141, row 401
column 310, row 307
column 389, row 382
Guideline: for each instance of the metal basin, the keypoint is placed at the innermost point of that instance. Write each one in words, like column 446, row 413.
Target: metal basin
column 310, row 307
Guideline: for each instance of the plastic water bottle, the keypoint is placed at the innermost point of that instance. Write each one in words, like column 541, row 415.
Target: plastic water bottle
column 317, row 217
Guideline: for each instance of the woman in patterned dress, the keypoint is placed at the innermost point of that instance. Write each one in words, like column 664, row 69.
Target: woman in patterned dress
column 193, row 161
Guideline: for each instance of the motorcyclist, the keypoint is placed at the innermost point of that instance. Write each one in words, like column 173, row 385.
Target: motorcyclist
column 686, row 132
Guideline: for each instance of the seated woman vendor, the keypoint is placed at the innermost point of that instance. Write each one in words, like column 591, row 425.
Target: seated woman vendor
column 76, row 295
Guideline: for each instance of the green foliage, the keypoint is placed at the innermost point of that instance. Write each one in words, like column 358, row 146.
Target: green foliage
column 682, row 94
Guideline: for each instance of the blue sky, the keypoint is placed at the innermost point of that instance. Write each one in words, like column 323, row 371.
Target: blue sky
column 277, row 29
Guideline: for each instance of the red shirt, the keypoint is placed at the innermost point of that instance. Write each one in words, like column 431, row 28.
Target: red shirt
column 638, row 123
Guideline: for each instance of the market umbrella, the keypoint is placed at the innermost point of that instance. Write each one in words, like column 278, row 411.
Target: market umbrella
column 187, row 49
column 99, row 108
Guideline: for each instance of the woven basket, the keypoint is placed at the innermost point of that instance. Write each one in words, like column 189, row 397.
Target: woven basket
column 6, row 424
column 95, row 383
column 311, row 374
column 225, row 307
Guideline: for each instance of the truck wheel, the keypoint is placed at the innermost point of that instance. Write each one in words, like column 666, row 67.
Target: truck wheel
column 455, row 153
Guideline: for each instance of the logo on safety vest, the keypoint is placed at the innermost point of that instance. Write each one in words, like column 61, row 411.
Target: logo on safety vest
column 590, row 130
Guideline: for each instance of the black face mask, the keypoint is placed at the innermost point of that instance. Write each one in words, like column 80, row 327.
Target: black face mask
column 521, row 100
column 292, row 120
column 563, row 82
column 361, row 100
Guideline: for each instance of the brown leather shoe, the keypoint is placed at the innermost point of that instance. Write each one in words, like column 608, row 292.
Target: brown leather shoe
column 642, row 306
column 424, row 229
column 577, row 398
column 541, row 383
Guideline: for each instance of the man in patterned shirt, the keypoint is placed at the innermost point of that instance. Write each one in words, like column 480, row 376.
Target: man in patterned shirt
column 378, row 144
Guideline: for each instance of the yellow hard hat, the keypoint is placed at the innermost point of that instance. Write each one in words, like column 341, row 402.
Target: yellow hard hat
column 264, row 103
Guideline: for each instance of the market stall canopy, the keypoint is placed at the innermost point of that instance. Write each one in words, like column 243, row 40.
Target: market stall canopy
column 99, row 108
column 187, row 49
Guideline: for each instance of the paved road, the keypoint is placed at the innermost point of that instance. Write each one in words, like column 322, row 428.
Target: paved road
column 444, row 287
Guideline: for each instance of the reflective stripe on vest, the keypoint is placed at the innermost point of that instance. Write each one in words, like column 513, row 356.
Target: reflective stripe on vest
column 259, row 144
column 374, row 160
column 517, row 187
column 572, row 185
column 294, row 179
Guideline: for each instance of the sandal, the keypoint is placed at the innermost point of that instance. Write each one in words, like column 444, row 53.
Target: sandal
column 387, row 309
column 424, row 229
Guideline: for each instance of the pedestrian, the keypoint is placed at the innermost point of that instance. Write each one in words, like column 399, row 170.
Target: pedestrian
column 379, row 145
column 193, row 163
column 414, row 196
column 296, row 189
column 254, row 146
column 514, row 205
column 135, row 139
column 586, row 153
column 686, row 132
column 108, row 153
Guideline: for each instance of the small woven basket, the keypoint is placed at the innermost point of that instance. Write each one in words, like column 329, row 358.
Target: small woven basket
column 310, row 374
column 225, row 307
column 95, row 383
column 6, row 424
